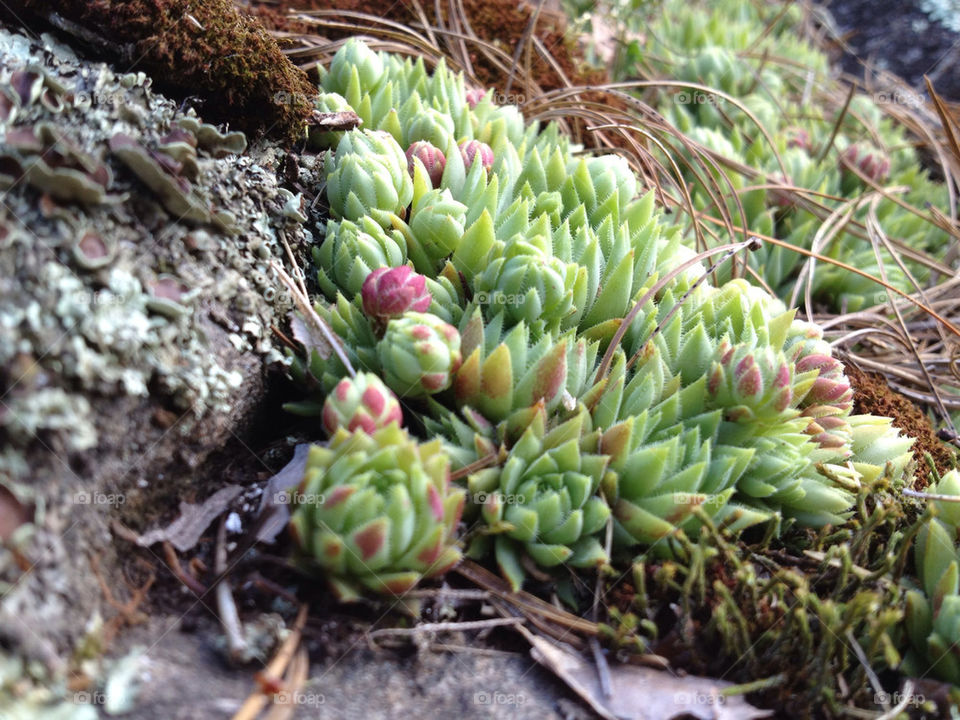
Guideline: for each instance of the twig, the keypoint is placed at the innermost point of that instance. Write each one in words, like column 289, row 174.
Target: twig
column 862, row 657
column 236, row 643
column 173, row 562
column 444, row 627
column 905, row 699
column 929, row 496
column 270, row 676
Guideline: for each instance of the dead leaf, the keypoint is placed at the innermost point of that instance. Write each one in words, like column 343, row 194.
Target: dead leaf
column 13, row 513
column 309, row 336
column 184, row 532
column 274, row 503
column 641, row 693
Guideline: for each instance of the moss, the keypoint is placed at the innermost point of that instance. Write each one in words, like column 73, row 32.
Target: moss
column 873, row 395
column 201, row 48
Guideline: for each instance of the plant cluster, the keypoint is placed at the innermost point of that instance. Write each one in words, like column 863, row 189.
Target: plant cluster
column 774, row 155
column 530, row 347
column 521, row 301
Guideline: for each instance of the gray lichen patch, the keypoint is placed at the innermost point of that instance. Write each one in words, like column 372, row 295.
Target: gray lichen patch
column 133, row 340
column 86, row 279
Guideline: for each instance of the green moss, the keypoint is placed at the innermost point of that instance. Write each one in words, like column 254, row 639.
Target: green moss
column 202, row 48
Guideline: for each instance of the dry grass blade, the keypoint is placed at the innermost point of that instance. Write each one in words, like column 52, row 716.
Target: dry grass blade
column 269, row 678
column 549, row 619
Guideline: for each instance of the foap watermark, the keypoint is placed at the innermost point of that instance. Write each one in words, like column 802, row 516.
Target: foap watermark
column 694, row 97
column 98, row 498
column 499, row 698
column 288, row 98
column 898, row 698
column 685, row 498
column 295, row 497
column 698, row 698
column 511, row 98
column 904, row 97
column 306, row 699
column 498, row 298
column 482, row 498
column 89, row 697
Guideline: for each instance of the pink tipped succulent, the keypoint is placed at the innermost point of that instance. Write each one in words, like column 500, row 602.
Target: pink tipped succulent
column 781, row 198
column 432, row 157
column 799, row 138
column 869, row 161
column 831, row 387
column 389, row 292
column 472, row 149
column 750, row 383
column 474, row 96
column 361, row 403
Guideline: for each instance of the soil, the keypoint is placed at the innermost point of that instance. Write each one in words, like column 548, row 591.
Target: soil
column 896, row 35
column 873, row 395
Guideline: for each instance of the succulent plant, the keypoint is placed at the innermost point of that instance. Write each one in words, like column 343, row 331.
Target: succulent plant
column 932, row 611
column 531, row 287
column 361, row 403
column 418, row 354
column 436, row 228
column 750, row 383
column 432, row 157
column 354, row 63
column 352, row 250
column 367, row 176
column 388, row 292
column 429, row 125
column 474, row 96
column 377, row 511
column 506, row 371
column 543, row 502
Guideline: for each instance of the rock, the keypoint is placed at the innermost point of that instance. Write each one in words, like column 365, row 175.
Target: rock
column 133, row 341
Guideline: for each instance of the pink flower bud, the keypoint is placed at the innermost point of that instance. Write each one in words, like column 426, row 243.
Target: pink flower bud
column 869, row 161
column 474, row 96
column 471, row 149
column 799, row 138
column 432, row 157
column 388, row 292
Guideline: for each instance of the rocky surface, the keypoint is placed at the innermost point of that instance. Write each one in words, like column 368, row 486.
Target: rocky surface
column 135, row 318
column 910, row 38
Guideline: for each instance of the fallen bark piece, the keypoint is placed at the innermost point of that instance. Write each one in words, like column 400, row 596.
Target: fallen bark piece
column 641, row 693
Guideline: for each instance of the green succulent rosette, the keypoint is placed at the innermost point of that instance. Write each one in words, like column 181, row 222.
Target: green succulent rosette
column 354, row 65
column 932, row 611
column 530, row 287
column 543, row 501
column 436, row 227
column 377, row 512
column 367, row 176
column 508, row 369
column 352, row 250
column 418, row 354
column 751, row 383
